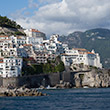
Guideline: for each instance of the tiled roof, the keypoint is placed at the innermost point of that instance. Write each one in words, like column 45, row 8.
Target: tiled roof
column 4, row 39
column 90, row 53
column 81, row 49
column 27, row 45
column 34, row 30
column 3, row 36
column 1, row 60
column 82, row 52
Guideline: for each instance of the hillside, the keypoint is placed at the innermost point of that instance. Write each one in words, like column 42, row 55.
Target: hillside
column 97, row 39
column 9, row 27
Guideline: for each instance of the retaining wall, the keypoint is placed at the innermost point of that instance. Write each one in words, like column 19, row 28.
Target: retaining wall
column 36, row 80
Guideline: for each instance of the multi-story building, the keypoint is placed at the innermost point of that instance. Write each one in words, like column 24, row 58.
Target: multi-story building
column 35, row 33
column 34, row 40
column 53, row 45
column 78, row 56
column 19, row 40
column 7, row 48
column 10, row 67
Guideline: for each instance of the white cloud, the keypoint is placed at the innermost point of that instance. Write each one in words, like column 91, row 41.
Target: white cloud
column 69, row 15
column 19, row 13
column 48, row 1
column 32, row 4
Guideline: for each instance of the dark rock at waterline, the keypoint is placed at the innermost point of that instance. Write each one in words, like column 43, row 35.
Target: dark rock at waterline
column 21, row 92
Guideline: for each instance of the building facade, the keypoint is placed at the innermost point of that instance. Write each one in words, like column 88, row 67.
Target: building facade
column 10, row 67
column 35, row 33
column 81, row 56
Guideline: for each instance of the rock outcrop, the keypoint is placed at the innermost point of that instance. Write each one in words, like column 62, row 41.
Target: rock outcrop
column 94, row 78
column 21, row 92
column 63, row 85
column 11, row 31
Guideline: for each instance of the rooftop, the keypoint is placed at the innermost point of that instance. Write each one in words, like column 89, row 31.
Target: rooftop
column 3, row 36
column 34, row 30
column 27, row 45
column 80, row 49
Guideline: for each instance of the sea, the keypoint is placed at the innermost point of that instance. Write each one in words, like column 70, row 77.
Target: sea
column 61, row 99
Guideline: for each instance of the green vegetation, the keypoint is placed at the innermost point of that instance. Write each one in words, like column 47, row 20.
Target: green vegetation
column 81, row 76
column 50, row 67
column 19, row 33
column 12, row 26
column 5, row 22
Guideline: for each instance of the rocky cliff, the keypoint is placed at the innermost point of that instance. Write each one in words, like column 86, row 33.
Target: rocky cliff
column 94, row 78
column 11, row 31
column 9, row 27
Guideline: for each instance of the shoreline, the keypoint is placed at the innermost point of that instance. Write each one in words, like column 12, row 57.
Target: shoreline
column 20, row 92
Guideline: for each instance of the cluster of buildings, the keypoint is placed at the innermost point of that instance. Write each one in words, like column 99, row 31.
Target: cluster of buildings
column 36, row 49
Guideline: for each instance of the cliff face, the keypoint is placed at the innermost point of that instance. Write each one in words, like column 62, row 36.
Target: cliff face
column 11, row 31
column 9, row 27
column 93, row 78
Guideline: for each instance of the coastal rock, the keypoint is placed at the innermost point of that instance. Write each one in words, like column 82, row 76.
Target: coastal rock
column 94, row 78
column 63, row 85
column 78, row 82
column 21, row 92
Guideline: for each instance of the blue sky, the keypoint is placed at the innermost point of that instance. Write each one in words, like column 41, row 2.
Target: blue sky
column 9, row 6
column 58, row 16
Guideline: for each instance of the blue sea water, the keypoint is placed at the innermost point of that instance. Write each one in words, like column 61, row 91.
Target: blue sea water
column 62, row 99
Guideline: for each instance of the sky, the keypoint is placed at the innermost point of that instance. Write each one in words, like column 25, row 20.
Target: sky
column 58, row 16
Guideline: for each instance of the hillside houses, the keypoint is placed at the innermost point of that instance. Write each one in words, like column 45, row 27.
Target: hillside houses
column 35, row 49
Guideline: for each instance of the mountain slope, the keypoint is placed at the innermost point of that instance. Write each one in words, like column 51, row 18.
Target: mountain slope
column 9, row 27
column 97, row 39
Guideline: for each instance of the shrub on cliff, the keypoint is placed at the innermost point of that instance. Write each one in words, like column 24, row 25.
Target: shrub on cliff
column 6, row 22
column 50, row 67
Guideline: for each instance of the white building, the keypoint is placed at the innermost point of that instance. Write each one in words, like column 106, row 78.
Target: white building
column 78, row 56
column 4, row 37
column 35, row 33
column 19, row 40
column 10, row 67
column 54, row 38
column 53, row 45
column 7, row 48
column 34, row 40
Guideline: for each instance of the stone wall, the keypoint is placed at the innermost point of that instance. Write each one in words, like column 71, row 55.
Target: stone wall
column 29, row 81
column 66, row 76
column 1, row 81
column 54, row 79
column 37, row 80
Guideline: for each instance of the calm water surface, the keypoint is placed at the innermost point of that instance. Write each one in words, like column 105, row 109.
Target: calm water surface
column 65, row 99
